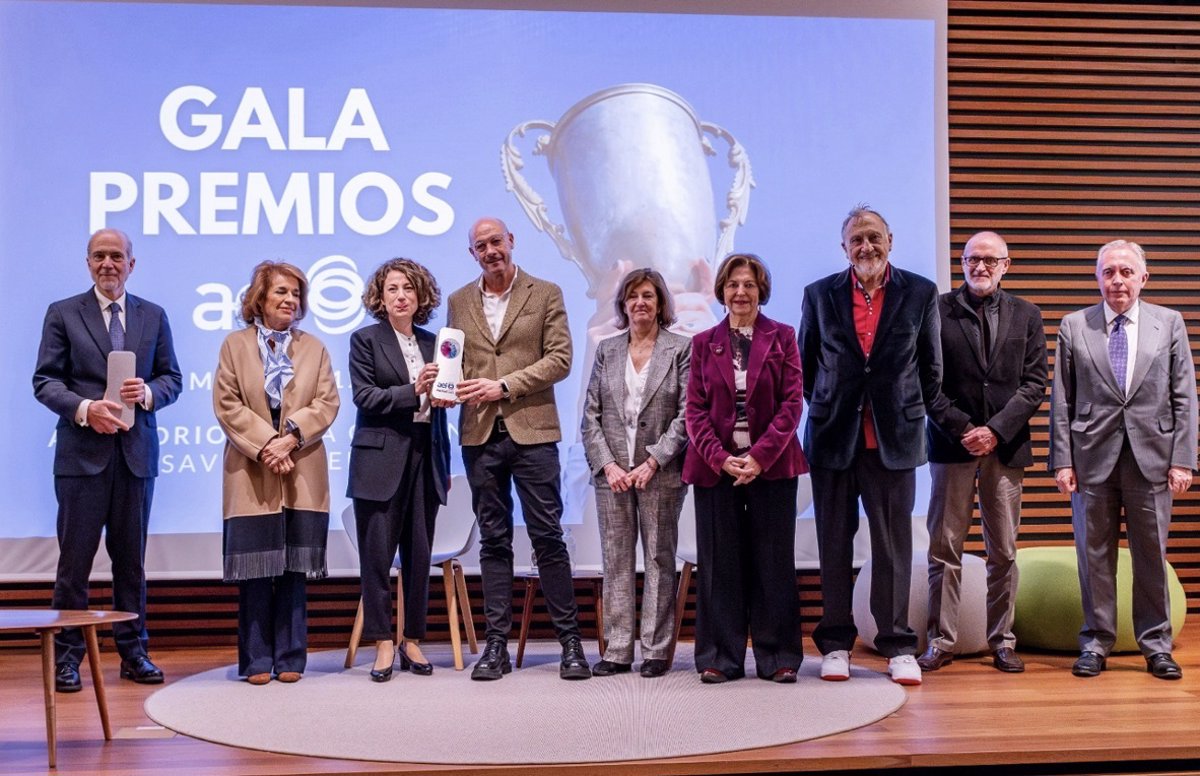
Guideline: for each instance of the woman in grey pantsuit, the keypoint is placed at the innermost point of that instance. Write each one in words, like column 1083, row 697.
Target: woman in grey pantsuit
column 634, row 436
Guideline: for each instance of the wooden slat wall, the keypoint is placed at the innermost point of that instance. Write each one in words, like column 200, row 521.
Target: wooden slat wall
column 1072, row 124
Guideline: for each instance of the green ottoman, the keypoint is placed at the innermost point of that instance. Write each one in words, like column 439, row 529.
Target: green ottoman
column 1049, row 609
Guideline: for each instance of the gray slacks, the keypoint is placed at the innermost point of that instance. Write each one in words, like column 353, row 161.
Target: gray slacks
column 653, row 514
column 951, row 501
column 1096, row 517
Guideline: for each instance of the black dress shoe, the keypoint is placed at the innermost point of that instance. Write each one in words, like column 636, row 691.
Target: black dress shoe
column 652, row 667
column 381, row 676
column 1089, row 664
column 934, row 658
column 574, row 664
column 784, row 676
column 66, row 678
column 1006, row 659
column 608, row 668
column 494, row 662
column 713, row 676
column 141, row 670
column 1163, row 666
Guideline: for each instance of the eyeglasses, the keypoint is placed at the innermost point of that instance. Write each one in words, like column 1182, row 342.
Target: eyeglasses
column 987, row 261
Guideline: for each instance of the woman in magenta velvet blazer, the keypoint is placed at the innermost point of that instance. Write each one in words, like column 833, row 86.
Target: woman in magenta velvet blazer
column 744, row 399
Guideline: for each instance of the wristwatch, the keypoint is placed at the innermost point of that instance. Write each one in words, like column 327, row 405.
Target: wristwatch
column 504, row 390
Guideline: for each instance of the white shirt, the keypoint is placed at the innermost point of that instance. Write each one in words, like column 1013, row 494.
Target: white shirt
column 496, row 305
column 414, row 361
column 1131, row 336
column 635, row 389
column 104, row 302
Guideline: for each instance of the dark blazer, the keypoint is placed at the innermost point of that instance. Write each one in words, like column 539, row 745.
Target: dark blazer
column 774, row 403
column 1004, row 394
column 386, row 401
column 1091, row 417
column 901, row 379
column 72, row 365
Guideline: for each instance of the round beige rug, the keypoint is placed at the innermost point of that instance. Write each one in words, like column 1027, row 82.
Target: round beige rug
column 530, row 716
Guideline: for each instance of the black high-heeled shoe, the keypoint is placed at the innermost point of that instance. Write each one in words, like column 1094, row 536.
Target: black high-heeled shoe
column 408, row 664
column 378, row 675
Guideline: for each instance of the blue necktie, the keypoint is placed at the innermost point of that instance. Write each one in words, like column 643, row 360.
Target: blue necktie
column 116, row 332
column 1118, row 351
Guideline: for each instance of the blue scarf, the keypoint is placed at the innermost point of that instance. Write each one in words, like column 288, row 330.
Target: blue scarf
column 277, row 364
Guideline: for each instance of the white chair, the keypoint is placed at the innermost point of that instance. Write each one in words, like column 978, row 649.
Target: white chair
column 455, row 534
column 685, row 550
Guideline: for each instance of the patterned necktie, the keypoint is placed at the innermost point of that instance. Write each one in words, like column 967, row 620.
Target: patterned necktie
column 1118, row 351
column 116, row 332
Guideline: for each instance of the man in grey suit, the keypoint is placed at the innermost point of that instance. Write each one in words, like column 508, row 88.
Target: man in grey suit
column 517, row 346
column 104, row 469
column 1123, row 436
column 995, row 346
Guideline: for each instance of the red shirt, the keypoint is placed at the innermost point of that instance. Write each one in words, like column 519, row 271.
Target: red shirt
column 867, row 308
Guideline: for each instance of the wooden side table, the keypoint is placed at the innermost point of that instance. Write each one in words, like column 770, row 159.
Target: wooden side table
column 595, row 578
column 47, row 622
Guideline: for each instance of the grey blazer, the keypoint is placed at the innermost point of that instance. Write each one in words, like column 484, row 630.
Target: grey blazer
column 661, row 431
column 1090, row 416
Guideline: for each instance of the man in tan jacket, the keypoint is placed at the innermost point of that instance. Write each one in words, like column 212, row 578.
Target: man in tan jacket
column 517, row 347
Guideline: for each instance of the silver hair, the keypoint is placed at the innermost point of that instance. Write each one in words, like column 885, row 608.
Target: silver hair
column 1126, row 244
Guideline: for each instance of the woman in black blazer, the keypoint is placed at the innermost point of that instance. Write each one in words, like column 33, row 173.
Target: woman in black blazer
column 399, row 458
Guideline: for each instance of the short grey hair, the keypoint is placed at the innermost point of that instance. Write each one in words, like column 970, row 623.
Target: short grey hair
column 1126, row 244
column 860, row 210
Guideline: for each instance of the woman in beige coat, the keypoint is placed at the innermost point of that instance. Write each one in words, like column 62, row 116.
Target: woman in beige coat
column 274, row 396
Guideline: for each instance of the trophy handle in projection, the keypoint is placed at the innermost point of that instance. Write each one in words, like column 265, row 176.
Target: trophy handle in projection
column 531, row 202
column 738, row 198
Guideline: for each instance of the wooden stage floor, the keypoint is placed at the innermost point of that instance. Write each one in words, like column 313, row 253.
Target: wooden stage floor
column 966, row 716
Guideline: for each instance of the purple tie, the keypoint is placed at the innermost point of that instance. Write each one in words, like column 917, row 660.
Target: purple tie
column 116, row 332
column 1118, row 351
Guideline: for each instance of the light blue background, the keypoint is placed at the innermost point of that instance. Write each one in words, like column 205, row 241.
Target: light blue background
column 830, row 111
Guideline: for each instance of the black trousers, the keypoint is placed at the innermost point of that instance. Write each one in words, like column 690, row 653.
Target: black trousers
column 492, row 469
column 273, row 624
column 117, row 504
column 405, row 522
column 746, row 581
column 887, row 496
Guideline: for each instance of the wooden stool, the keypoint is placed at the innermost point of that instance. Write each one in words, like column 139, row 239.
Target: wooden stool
column 47, row 622
column 531, row 585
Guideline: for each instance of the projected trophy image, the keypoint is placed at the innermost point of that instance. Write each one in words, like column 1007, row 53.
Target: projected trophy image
column 630, row 170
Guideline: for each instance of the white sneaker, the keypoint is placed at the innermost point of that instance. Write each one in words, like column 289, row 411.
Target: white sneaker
column 904, row 670
column 835, row 667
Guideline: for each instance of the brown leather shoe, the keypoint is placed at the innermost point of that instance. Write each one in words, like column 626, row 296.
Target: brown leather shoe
column 289, row 677
column 1005, row 659
column 934, row 658
column 259, row 679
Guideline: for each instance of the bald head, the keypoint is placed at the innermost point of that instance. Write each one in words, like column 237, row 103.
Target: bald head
column 110, row 261
column 984, row 262
column 124, row 238
column 492, row 245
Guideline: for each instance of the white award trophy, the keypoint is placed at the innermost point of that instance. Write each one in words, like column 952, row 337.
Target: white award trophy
column 449, row 363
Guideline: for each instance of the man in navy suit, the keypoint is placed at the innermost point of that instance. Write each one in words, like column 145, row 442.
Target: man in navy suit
column 871, row 354
column 104, row 468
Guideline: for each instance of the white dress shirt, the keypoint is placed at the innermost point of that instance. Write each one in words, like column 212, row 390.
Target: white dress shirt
column 496, row 305
column 104, row 302
column 414, row 361
column 635, row 389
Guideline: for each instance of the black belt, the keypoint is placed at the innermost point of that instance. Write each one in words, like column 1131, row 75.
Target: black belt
column 499, row 427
